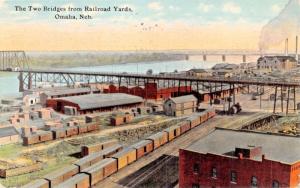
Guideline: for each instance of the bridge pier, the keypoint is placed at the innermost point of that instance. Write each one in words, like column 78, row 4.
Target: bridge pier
column 223, row 58
column 244, row 58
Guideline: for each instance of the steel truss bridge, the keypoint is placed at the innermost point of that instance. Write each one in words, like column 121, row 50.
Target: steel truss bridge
column 32, row 78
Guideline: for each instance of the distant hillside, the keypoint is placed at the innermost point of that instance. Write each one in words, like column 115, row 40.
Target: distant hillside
column 76, row 59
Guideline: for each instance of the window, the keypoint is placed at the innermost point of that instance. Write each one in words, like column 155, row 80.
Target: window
column 214, row 172
column 196, row 168
column 275, row 184
column 254, row 182
column 195, row 185
column 145, row 149
column 233, row 177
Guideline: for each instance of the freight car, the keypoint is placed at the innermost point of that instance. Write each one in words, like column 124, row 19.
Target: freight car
column 95, row 167
column 173, row 132
column 80, row 180
column 89, row 160
column 158, row 139
column 194, row 120
column 125, row 157
column 61, row 175
column 184, row 126
column 89, row 149
column 101, row 170
column 143, row 148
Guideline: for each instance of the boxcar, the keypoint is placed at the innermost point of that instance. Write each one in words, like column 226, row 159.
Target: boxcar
column 80, row 180
column 92, row 127
column 39, row 183
column 71, row 131
column 101, row 170
column 61, row 175
column 87, row 161
column 173, row 132
column 158, row 139
column 184, row 126
column 211, row 113
column 59, row 133
column 82, row 129
column 194, row 120
column 45, row 136
column 143, row 148
column 93, row 158
column 89, row 149
column 125, row 157
column 203, row 116
column 31, row 139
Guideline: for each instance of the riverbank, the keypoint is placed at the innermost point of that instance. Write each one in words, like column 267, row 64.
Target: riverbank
column 88, row 59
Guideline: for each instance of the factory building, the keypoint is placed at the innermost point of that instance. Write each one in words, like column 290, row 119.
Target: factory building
column 178, row 106
column 233, row 158
column 83, row 104
column 276, row 62
column 151, row 91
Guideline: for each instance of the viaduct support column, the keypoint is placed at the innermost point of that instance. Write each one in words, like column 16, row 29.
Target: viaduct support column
column 21, row 82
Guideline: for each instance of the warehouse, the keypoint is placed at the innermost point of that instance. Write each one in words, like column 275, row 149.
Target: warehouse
column 8, row 135
column 178, row 106
column 227, row 158
column 94, row 103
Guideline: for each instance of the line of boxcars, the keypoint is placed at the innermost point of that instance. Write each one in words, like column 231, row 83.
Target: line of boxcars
column 54, row 134
column 91, row 169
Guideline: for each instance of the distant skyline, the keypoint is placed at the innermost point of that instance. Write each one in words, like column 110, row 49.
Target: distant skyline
column 152, row 25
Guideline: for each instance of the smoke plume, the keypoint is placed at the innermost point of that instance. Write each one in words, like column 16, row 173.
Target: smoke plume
column 285, row 25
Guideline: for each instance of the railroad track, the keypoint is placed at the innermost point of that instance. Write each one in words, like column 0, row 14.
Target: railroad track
column 172, row 153
column 171, row 149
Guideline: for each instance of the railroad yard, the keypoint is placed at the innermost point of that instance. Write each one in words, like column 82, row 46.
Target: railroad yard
column 132, row 130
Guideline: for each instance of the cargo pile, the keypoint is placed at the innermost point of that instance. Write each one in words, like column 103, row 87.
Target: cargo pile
column 120, row 118
column 56, row 130
column 93, row 168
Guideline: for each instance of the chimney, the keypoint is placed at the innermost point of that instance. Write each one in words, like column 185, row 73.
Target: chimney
column 297, row 49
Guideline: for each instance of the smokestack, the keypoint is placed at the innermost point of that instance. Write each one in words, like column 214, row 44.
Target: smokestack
column 297, row 48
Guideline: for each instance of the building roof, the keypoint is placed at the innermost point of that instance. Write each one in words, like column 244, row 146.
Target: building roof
column 225, row 66
column 280, row 58
column 93, row 101
column 66, row 91
column 183, row 99
column 198, row 70
column 8, row 131
column 141, row 143
column 279, row 148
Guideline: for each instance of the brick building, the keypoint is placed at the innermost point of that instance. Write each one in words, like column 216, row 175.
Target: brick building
column 151, row 90
column 277, row 62
column 232, row 158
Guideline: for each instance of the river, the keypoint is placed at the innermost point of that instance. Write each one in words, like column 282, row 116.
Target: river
column 9, row 84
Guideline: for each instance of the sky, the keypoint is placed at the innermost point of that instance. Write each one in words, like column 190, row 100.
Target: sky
column 151, row 25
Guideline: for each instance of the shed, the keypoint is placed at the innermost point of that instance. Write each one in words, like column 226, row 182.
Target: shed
column 95, row 102
column 178, row 106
